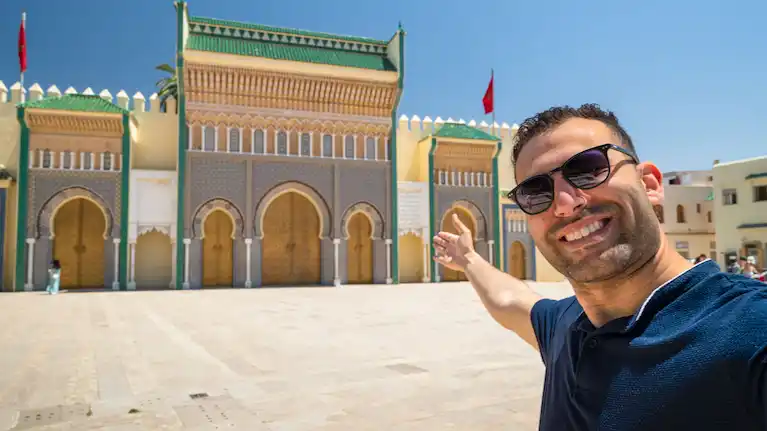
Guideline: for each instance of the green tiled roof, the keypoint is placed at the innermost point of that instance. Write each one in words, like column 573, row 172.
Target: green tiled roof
column 279, row 51
column 754, row 176
column 710, row 196
column 462, row 131
column 230, row 37
column 265, row 28
column 76, row 102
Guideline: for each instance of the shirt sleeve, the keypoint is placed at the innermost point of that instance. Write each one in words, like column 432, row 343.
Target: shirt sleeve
column 545, row 317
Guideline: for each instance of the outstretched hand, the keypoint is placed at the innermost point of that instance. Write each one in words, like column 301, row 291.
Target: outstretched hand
column 452, row 250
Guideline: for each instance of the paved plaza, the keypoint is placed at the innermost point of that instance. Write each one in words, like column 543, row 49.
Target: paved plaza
column 409, row 357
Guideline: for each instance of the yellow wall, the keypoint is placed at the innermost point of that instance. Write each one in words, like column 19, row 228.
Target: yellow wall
column 9, row 138
column 543, row 269
column 696, row 231
column 727, row 218
column 155, row 145
column 9, row 254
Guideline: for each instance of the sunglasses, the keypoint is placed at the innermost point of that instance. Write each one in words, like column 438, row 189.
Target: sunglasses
column 585, row 170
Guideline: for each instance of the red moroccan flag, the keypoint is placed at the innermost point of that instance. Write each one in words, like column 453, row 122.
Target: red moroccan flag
column 487, row 101
column 23, row 43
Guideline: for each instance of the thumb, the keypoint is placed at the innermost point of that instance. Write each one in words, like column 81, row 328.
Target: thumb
column 459, row 225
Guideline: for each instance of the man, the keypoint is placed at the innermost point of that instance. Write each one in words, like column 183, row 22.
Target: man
column 649, row 341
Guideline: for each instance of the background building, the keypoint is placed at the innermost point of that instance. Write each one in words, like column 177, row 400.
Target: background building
column 740, row 202
column 687, row 214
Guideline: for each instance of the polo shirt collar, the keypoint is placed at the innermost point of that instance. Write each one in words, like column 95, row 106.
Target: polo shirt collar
column 659, row 298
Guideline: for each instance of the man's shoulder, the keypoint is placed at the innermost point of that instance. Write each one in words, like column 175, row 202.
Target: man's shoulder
column 737, row 303
column 564, row 310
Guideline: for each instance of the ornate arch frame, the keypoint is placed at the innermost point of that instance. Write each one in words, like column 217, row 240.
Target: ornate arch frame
column 297, row 187
column 208, row 208
column 50, row 208
column 474, row 212
column 372, row 214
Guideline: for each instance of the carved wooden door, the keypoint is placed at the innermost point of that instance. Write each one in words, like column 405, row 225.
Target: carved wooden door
column 359, row 251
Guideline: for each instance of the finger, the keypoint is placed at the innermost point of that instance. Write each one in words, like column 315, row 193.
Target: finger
column 440, row 242
column 459, row 225
column 447, row 236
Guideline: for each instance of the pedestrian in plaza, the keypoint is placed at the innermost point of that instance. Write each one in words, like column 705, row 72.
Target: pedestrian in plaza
column 54, row 277
column 649, row 341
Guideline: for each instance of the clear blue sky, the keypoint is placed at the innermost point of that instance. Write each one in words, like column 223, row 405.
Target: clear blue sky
column 686, row 77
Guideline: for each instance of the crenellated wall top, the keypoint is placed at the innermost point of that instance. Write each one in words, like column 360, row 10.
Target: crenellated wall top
column 135, row 103
column 426, row 126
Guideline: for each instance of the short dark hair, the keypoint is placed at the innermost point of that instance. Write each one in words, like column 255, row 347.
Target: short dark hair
column 547, row 120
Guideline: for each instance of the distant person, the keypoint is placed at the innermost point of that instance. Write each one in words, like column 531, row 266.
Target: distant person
column 54, row 277
column 649, row 341
column 700, row 258
column 749, row 269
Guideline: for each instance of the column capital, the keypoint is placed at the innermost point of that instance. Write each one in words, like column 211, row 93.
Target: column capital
column 116, row 240
column 336, row 240
column 31, row 240
column 187, row 241
column 388, row 241
column 248, row 241
column 490, row 242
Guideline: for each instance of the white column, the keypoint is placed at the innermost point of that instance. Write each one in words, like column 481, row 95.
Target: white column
column 336, row 278
column 101, row 166
column 173, row 265
column 61, row 159
column 202, row 137
column 228, row 138
column 31, row 158
column 376, row 148
column 40, row 159
column 490, row 256
column 112, row 166
column 189, row 138
column 241, row 139
column 132, row 278
column 364, row 147
column 28, row 286
column 215, row 139
column 248, row 243
column 93, row 160
column 354, row 150
column 82, row 160
column 388, row 261
column 386, row 149
column 116, row 282
column 187, row 242
column 333, row 146
column 425, row 278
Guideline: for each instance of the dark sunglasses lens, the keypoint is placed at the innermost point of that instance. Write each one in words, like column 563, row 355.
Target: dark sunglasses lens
column 535, row 194
column 588, row 169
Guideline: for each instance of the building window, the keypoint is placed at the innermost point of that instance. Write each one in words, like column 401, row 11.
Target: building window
column 306, row 144
column 760, row 193
column 730, row 196
column 47, row 158
column 234, row 140
column 282, row 143
column 370, row 148
column 258, row 142
column 209, row 139
column 327, row 145
column 659, row 212
column 709, row 218
column 107, row 161
column 67, row 160
column 349, row 147
column 88, row 162
column 712, row 245
column 697, row 208
column 680, row 214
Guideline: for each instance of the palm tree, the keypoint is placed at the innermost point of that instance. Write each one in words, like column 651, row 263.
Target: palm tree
column 168, row 85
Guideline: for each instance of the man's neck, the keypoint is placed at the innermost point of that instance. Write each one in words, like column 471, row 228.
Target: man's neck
column 621, row 297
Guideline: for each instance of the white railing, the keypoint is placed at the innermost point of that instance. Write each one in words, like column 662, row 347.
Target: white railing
column 75, row 160
column 456, row 178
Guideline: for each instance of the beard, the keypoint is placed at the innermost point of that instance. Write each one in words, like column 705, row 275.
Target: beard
column 638, row 239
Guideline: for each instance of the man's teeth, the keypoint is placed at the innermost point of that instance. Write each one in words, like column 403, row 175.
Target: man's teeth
column 585, row 231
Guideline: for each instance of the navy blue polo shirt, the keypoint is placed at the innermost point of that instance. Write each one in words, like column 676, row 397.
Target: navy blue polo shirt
column 694, row 357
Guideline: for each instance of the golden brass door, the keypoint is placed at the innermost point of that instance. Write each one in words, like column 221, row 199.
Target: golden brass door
column 359, row 251
column 78, row 244
column 291, row 245
column 516, row 261
column 447, row 226
column 217, row 253
column 410, row 259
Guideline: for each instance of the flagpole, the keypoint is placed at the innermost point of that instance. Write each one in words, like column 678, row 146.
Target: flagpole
column 492, row 76
column 24, row 25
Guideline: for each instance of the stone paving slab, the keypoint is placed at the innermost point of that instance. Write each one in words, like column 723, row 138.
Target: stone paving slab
column 409, row 357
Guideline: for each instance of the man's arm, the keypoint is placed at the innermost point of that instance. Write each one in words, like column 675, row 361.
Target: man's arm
column 509, row 300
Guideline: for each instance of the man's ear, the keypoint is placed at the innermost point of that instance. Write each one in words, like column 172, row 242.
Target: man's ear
column 652, row 180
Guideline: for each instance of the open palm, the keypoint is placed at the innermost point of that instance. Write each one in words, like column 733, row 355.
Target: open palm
column 452, row 249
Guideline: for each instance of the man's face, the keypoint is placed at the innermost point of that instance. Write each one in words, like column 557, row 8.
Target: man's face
column 597, row 234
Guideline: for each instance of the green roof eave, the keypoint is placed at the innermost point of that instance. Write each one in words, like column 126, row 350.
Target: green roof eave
column 462, row 131
column 280, row 51
column 289, row 31
column 77, row 103
column 755, row 176
column 752, row 225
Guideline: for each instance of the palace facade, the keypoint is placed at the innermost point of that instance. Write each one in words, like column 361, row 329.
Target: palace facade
column 283, row 162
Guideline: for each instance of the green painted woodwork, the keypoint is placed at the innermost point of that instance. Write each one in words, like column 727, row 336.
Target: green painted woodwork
column 125, row 199
column 22, row 203
column 76, row 102
column 432, row 209
column 462, row 131
column 393, row 157
column 182, row 139
column 497, row 211
column 754, row 176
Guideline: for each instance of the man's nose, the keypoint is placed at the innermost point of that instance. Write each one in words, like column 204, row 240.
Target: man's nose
column 568, row 200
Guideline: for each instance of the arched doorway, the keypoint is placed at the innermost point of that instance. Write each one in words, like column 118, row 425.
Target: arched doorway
column 359, row 250
column 410, row 259
column 217, row 250
column 78, row 243
column 291, row 244
column 153, row 260
column 447, row 226
column 517, row 262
